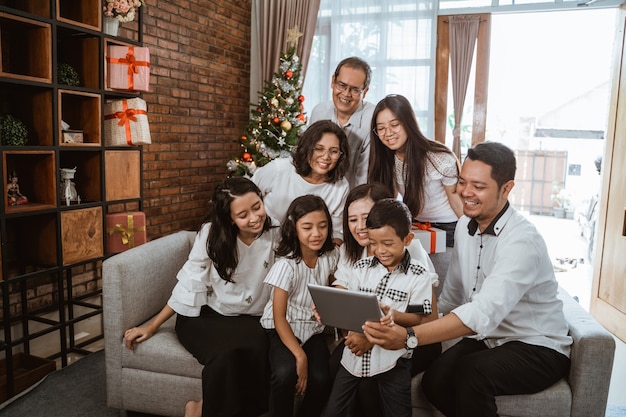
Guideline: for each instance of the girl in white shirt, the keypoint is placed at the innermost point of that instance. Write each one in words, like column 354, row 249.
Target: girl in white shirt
column 420, row 171
column 298, row 352
column 220, row 296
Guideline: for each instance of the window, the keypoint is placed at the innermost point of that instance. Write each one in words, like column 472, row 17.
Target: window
column 395, row 37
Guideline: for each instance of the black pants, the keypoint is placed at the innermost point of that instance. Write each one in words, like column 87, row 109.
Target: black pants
column 449, row 228
column 466, row 378
column 367, row 402
column 284, row 377
column 233, row 350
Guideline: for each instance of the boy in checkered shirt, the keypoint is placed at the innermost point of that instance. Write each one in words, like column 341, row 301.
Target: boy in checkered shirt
column 401, row 284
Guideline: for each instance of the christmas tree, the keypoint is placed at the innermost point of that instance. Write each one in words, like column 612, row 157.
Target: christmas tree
column 276, row 122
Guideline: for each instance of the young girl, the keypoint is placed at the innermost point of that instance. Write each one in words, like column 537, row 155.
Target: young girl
column 219, row 298
column 423, row 172
column 298, row 351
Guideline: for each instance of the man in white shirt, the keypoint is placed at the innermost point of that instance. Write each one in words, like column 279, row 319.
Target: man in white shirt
column 500, row 296
column 350, row 84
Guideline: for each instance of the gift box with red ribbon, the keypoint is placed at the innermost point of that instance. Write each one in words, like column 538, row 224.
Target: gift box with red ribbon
column 125, row 231
column 126, row 123
column 432, row 239
column 128, row 68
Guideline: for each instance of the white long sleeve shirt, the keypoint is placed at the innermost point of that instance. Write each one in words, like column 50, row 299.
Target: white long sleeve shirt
column 199, row 283
column 501, row 284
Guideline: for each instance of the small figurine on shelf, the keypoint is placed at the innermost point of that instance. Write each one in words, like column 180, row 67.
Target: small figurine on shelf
column 15, row 197
column 68, row 192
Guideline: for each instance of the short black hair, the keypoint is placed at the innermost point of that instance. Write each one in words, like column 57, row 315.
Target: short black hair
column 357, row 63
column 499, row 157
column 390, row 212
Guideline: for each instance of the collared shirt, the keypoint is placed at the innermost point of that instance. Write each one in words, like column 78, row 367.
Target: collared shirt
column 409, row 283
column 501, row 284
column 293, row 277
column 357, row 130
column 199, row 283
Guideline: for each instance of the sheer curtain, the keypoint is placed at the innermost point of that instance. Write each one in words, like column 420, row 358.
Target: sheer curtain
column 397, row 39
column 271, row 19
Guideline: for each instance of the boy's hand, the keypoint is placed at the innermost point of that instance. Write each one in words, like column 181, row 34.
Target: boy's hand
column 387, row 319
column 302, row 371
column 358, row 343
column 316, row 314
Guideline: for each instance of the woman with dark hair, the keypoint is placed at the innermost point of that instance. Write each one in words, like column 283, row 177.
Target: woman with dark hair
column 422, row 172
column 317, row 166
column 219, row 299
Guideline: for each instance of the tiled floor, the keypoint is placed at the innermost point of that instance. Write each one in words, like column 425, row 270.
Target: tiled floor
column 564, row 241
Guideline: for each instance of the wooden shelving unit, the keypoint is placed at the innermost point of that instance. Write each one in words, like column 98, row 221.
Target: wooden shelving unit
column 47, row 247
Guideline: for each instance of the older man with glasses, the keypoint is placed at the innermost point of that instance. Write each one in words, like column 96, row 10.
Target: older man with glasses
column 350, row 84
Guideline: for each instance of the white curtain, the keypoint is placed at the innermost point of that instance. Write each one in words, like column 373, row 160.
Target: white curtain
column 397, row 39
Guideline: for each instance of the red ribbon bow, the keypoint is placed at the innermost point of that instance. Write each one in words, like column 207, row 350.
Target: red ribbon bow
column 132, row 63
column 433, row 234
column 126, row 116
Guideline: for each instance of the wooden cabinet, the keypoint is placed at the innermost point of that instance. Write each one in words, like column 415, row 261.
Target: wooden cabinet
column 52, row 248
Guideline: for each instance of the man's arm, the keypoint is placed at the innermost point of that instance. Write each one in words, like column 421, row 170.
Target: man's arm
column 394, row 337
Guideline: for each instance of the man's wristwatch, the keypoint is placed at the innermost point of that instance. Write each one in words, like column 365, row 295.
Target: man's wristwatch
column 411, row 339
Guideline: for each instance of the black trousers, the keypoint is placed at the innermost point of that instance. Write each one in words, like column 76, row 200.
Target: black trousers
column 466, row 378
column 367, row 402
column 284, row 377
column 233, row 350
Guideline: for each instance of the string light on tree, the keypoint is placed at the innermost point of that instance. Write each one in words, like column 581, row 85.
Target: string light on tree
column 278, row 119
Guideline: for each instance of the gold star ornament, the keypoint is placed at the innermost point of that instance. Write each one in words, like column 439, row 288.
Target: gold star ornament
column 293, row 35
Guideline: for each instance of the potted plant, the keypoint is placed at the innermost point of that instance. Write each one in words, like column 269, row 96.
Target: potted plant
column 12, row 131
column 67, row 75
column 561, row 200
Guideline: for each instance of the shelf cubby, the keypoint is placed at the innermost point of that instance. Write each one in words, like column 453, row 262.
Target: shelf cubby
column 82, row 52
column 32, row 106
column 83, row 13
column 25, row 48
column 82, row 235
column 82, row 111
column 36, row 171
column 36, row 7
column 88, row 177
column 123, row 174
column 31, row 244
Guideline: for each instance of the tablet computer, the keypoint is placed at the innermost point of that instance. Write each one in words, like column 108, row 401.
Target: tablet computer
column 345, row 309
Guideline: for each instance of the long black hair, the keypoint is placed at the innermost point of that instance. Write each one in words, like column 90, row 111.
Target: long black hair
column 375, row 192
column 289, row 245
column 418, row 148
column 222, row 242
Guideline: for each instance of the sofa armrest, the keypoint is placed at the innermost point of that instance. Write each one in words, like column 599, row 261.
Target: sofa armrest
column 136, row 284
column 592, row 354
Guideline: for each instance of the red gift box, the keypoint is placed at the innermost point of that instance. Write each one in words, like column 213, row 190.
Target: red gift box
column 125, row 231
column 126, row 123
column 433, row 240
column 128, row 68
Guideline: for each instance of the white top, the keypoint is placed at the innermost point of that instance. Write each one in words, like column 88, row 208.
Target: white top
column 357, row 130
column 441, row 171
column 410, row 283
column 416, row 250
column 281, row 184
column 516, row 291
column 293, row 277
column 199, row 283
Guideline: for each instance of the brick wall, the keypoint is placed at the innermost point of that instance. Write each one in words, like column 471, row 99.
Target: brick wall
column 198, row 104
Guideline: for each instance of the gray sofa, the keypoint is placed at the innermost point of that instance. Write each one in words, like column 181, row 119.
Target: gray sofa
column 160, row 376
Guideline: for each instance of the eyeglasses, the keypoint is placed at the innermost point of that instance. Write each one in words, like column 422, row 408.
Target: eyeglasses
column 394, row 127
column 333, row 153
column 342, row 87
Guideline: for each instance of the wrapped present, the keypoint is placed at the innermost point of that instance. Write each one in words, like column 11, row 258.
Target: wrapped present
column 128, row 68
column 125, row 231
column 433, row 240
column 126, row 123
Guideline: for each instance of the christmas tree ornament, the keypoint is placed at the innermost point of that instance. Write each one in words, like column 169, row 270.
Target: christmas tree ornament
column 286, row 125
